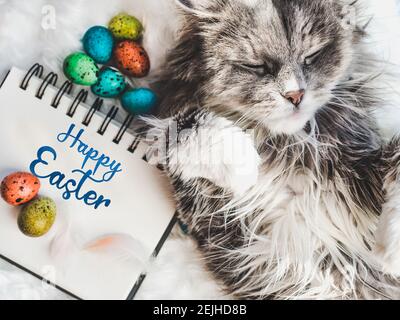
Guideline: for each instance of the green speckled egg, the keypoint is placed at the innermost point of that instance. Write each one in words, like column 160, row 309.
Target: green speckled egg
column 37, row 217
column 124, row 26
column 81, row 69
column 111, row 83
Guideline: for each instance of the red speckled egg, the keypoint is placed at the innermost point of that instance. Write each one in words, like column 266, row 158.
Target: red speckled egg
column 19, row 188
column 132, row 59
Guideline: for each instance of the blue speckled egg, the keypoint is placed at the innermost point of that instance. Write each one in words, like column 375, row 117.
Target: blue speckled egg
column 98, row 43
column 111, row 83
column 139, row 101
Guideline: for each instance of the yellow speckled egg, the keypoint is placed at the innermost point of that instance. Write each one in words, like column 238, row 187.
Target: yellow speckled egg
column 124, row 26
column 37, row 217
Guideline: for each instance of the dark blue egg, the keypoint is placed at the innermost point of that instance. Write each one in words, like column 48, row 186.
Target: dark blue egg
column 110, row 84
column 139, row 101
column 98, row 43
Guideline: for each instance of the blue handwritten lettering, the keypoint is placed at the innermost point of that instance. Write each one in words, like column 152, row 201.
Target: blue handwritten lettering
column 70, row 187
column 90, row 154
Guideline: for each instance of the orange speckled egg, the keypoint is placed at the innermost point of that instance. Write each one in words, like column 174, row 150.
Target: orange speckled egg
column 19, row 188
column 132, row 59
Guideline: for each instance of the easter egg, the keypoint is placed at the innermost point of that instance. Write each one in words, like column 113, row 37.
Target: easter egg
column 19, row 188
column 139, row 101
column 124, row 26
column 81, row 69
column 132, row 59
column 37, row 217
column 111, row 83
column 98, row 43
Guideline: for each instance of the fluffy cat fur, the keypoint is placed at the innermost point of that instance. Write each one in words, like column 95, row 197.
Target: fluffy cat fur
column 306, row 205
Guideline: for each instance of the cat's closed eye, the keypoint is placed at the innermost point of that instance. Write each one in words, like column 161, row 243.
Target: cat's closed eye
column 309, row 60
column 260, row 69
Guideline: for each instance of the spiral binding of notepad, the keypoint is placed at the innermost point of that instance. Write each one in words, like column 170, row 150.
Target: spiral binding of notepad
column 37, row 70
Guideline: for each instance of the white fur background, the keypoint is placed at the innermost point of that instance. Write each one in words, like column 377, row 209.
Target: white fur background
column 177, row 273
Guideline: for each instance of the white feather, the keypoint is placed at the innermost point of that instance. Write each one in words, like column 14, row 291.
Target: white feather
column 121, row 248
column 63, row 246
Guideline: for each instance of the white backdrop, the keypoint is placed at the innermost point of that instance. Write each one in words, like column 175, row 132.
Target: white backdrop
column 178, row 273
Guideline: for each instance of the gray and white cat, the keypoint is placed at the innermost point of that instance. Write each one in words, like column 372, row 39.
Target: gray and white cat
column 307, row 204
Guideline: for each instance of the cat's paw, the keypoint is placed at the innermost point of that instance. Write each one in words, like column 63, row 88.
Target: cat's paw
column 202, row 145
column 388, row 234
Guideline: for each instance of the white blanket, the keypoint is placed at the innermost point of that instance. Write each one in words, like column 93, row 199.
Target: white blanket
column 47, row 31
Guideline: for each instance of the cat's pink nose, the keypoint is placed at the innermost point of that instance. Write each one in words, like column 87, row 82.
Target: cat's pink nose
column 295, row 97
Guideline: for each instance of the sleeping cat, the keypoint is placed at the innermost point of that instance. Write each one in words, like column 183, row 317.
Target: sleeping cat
column 270, row 144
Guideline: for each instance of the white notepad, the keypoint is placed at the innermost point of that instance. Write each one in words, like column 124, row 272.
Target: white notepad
column 132, row 198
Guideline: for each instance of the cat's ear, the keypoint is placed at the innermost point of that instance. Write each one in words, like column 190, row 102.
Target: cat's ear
column 185, row 4
column 348, row 13
column 211, row 8
column 250, row 3
column 200, row 8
